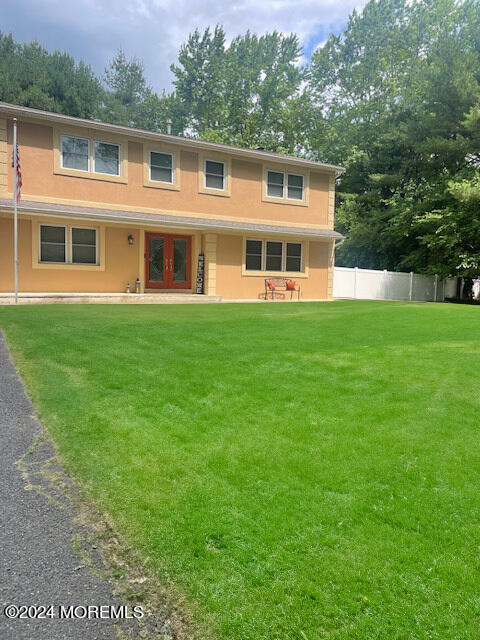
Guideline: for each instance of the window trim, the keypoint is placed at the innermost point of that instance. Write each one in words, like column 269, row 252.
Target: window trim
column 284, row 199
column 92, row 137
column 214, row 157
column 148, row 149
column 68, row 265
column 68, row 135
column 304, row 244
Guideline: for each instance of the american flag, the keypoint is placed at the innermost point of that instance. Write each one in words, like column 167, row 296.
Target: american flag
column 18, row 193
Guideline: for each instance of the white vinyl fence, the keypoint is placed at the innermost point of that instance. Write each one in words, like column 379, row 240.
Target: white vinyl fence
column 368, row 284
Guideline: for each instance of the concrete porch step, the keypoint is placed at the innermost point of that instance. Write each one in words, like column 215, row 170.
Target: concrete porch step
column 107, row 298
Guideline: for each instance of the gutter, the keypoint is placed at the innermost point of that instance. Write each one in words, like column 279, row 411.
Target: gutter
column 163, row 220
column 18, row 111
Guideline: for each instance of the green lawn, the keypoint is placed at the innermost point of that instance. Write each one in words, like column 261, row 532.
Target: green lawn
column 297, row 471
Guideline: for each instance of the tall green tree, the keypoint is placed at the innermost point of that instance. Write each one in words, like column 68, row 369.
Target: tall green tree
column 242, row 93
column 392, row 93
column 33, row 77
column 130, row 101
column 200, row 79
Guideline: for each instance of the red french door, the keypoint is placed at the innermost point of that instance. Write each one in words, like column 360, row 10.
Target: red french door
column 168, row 261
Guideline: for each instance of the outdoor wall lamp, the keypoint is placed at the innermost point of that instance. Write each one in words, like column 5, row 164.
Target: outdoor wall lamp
column 130, row 239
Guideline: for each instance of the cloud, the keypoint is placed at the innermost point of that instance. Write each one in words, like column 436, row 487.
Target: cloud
column 153, row 30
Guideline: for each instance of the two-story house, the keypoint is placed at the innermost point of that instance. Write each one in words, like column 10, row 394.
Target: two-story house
column 103, row 205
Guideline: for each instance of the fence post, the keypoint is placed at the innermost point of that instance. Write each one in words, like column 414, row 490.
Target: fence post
column 410, row 296
column 435, row 287
column 355, row 283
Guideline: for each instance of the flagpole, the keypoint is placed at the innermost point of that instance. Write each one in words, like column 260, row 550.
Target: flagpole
column 15, row 215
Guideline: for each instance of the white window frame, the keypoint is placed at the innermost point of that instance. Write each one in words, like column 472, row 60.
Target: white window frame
column 113, row 144
column 63, row 226
column 285, row 185
column 262, row 254
column 284, row 265
column 174, row 168
column 68, row 245
column 284, row 255
column 87, row 170
column 222, row 162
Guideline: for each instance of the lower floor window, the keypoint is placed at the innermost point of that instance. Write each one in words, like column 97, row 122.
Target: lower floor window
column 52, row 244
column 273, row 255
column 68, row 244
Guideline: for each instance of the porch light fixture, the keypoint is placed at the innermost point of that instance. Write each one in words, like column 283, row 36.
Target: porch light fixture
column 130, row 239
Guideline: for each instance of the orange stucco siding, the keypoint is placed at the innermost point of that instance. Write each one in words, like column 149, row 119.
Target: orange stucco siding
column 121, row 263
column 36, row 143
column 231, row 284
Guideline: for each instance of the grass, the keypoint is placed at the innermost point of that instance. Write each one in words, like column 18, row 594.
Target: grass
column 295, row 471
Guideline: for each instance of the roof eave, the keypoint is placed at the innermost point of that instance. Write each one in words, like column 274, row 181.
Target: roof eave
column 164, row 220
column 17, row 110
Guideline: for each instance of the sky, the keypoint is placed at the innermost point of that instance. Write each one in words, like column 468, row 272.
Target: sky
column 153, row 30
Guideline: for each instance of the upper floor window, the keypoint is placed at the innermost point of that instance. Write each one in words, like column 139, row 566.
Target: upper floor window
column 285, row 185
column 274, row 255
column 161, row 167
column 68, row 244
column 214, row 175
column 84, row 154
column 275, row 184
column 74, row 153
column 295, row 187
column 106, row 158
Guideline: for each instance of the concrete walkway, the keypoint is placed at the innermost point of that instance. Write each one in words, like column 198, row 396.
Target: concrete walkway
column 108, row 298
column 37, row 563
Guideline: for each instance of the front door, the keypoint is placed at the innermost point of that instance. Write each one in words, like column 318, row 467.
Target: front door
column 168, row 261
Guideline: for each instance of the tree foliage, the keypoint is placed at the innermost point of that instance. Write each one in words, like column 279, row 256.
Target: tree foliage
column 32, row 77
column 247, row 93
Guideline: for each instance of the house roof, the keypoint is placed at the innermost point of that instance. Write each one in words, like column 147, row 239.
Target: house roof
column 163, row 219
column 19, row 111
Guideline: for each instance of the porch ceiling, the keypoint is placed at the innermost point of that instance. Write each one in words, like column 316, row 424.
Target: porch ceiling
column 162, row 219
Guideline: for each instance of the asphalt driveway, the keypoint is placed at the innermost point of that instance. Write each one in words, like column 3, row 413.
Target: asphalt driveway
column 37, row 563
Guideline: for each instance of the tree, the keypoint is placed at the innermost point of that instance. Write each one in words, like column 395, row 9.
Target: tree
column 130, row 101
column 241, row 94
column 391, row 93
column 33, row 77
column 200, row 79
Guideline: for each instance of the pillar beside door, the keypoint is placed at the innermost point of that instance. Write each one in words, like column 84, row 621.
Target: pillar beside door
column 331, row 269
column 210, row 251
column 141, row 259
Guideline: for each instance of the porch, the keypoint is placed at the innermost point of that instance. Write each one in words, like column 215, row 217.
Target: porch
column 107, row 298
column 70, row 254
